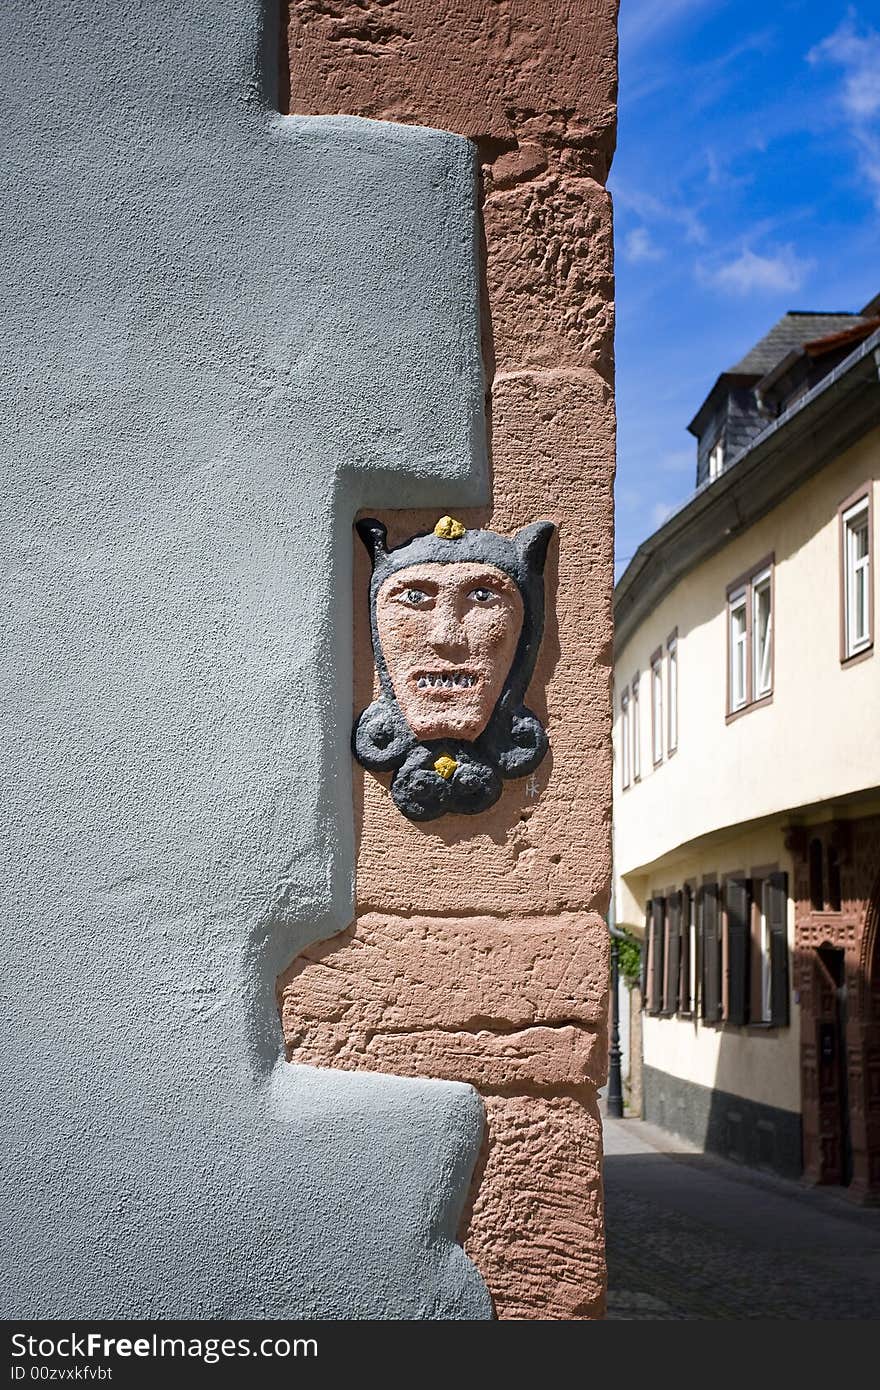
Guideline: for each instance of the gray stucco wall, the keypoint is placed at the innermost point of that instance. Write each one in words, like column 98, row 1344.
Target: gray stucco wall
column 224, row 331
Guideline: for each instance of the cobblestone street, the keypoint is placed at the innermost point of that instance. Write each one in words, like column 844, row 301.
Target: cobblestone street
column 693, row 1236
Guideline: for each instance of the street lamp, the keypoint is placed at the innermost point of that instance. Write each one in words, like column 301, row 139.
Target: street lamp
column 615, row 1082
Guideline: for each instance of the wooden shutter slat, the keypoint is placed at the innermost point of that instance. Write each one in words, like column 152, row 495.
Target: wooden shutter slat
column 685, row 1004
column 658, row 921
column 673, row 953
column 778, row 924
column 738, row 952
column 710, row 953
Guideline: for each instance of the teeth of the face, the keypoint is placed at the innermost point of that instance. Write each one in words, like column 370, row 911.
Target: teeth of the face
column 457, row 680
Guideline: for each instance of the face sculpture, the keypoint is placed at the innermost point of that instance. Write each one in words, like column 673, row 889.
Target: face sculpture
column 448, row 635
column 456, row 618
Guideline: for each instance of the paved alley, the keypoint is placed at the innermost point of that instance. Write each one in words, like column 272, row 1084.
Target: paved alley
column 692, row 1236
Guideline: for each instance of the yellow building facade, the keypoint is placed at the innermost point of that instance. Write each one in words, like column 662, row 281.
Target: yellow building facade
column 747, row 791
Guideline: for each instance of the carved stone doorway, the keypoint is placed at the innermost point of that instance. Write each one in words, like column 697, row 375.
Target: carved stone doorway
column 837, row 892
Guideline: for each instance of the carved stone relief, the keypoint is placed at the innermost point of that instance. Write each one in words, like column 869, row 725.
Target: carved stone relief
column 457, row 618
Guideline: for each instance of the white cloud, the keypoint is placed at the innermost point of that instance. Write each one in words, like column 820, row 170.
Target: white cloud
column 858, row 55
column 639, row 246
column 641, row 20
column 661, row 511
column 751, row 273
column 652, row 209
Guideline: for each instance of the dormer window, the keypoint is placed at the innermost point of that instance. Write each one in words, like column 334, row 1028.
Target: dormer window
column 716, row 460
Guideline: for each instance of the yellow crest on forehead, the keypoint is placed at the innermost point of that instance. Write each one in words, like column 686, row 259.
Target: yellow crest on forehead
column 448, row 529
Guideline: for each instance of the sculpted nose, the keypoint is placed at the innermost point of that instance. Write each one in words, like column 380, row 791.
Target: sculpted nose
column 447, row 635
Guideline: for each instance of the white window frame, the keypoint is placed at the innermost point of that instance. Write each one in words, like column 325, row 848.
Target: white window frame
column 762, row 655
column 716, row 460
column 738, row 648
column 750, row 662
column 856, row 574
column 625, row 747
column 672, row 693
column 657, row 707
column 636, row 729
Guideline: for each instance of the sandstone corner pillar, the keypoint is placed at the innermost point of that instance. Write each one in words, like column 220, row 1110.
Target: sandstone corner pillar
column 479, row 948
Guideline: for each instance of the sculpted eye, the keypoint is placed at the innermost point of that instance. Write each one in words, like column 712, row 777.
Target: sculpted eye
column 414, row 598
column 481, row 595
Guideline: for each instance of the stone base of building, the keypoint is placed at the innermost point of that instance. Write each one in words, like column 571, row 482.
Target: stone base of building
column 759, row 1136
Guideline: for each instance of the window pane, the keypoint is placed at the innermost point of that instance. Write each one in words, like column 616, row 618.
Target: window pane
column 738, row 662
column 716, row 460
column 858, row 580
column 692, row 927
column 657, row 709
column 860, row 627
column 762, row 632
column 636, row 732
column 765, row 952
column 859, row 535
column 672, row 676
column 624, row 741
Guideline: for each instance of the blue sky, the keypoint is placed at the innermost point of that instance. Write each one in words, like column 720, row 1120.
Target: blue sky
column 746, row 182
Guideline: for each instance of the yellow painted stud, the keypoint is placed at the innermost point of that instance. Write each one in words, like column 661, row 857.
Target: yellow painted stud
column 448, row 529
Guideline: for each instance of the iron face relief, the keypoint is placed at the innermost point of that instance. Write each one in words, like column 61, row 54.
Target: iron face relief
column 457, row 618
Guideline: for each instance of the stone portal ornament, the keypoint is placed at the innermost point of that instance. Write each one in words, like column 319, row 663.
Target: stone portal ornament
column 457, row 618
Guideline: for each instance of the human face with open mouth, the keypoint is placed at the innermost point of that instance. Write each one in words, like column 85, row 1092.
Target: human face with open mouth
column 448, row 633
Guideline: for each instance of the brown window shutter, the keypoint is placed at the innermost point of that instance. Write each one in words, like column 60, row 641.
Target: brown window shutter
column 778, row 905
column 738, row 950
column 710, row 953
column 685, row 1003
column 673, row 953
column 658, row 923
column 643, row 958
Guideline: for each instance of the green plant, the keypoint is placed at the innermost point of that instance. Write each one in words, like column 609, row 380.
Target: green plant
column 629, row 961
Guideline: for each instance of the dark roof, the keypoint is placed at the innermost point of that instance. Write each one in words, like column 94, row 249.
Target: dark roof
column 816, row 348
column 812, row 431
column 819, row 347
column 791, row 332
column 785, row 339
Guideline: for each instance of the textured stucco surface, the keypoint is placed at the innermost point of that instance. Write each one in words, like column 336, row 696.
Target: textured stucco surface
column 224, row 331
column 534, row 86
